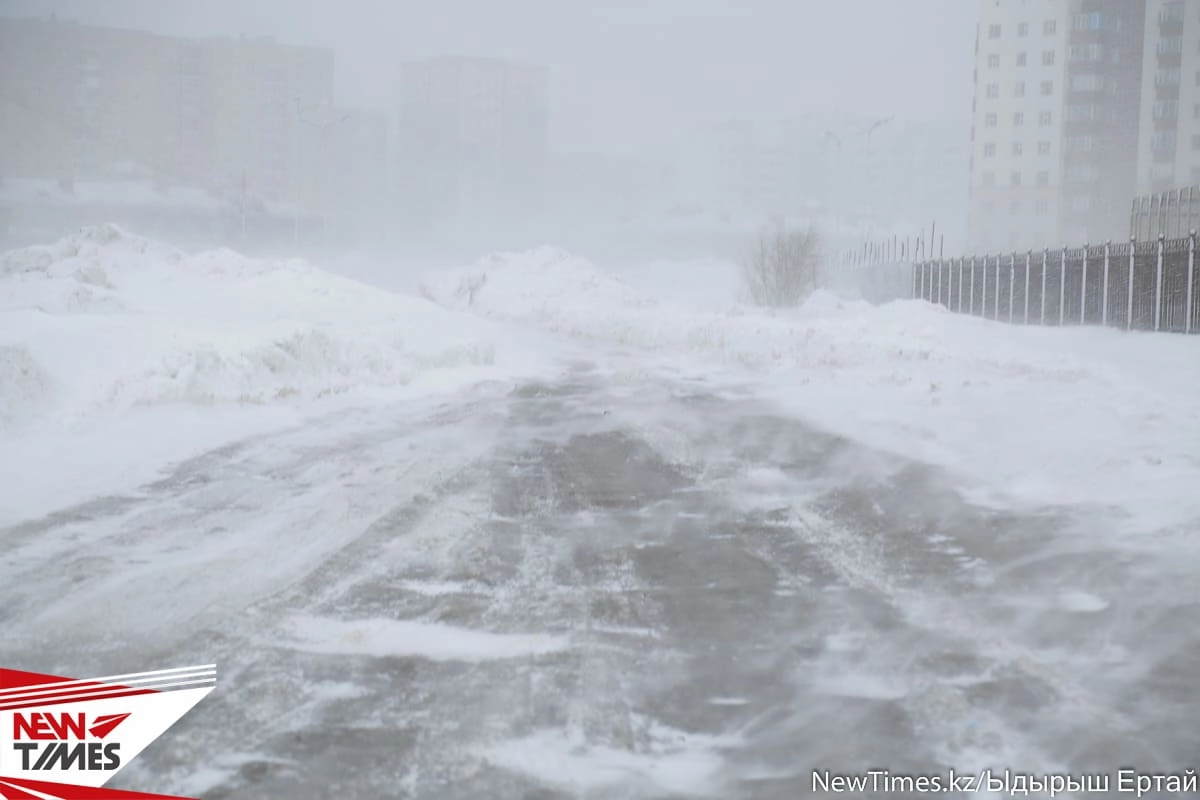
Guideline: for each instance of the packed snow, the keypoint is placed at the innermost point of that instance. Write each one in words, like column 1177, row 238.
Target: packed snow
column 1027, row 416
column 437, row 642
column 105, row 327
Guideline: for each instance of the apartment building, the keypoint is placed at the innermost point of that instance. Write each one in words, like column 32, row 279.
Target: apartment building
column 262, row 114
column 89, row 103
column 1017, row 131
column 1169, row 150
column 1102, row 119
column 1125, row 122
column 79, row 101
column 472, row 142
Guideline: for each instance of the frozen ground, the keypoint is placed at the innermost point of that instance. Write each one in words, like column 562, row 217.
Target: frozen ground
column 701, row 552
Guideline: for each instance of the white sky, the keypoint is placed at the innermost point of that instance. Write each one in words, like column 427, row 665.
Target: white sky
column 626, row 73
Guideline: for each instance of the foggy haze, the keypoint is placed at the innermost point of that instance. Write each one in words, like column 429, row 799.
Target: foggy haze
column 624, row 74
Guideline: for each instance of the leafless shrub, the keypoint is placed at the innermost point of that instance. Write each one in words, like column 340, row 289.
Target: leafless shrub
column 783, row 268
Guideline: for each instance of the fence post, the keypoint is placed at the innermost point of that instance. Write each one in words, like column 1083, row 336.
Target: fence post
column 1012, row 285
column 1129, row 302
column 1045, row 269
column 921, row 271
column 1083, row 289
column 1104, row 288
column 949, row 285
column 961, row 262
column 971, row 309
column 996, row 301
column 1028, row 258
column 939, row 281
column 1190, row 296
column 1158, row 284
column 1062, row 289
column 983, row 288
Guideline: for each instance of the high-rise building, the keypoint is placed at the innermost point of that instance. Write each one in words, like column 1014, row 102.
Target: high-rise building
column 1017, row 128
column 1169, row 150
column 1101, row 119
column 1071, row 125
column 88, row 103
column 472, row 142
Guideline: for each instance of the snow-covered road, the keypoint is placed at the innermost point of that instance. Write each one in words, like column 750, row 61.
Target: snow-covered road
column 656, row 586
column 540, row 529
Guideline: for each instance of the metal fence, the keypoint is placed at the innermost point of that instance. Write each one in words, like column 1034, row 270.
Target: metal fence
column 1150, row 286
column 1171, row 214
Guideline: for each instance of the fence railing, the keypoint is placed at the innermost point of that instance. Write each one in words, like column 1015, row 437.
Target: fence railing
column 1151, row 286
column 1170, row 214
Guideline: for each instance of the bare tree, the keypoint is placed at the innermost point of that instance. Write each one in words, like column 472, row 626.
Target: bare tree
column 784, row 267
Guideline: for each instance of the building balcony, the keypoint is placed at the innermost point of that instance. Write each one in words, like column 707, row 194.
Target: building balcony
column 1170, row 45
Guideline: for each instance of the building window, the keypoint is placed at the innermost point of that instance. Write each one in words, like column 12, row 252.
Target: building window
column 1043, row 178
column 993, row 90
column 1048, row 58
column 1023, row 29
column 993, row 61
column 990, row 120
column 1086, row 52
column 1170, row 77
column 1166, row 109
column 989, row 150
column 1050, row 27
column 1043, row 148
column 1022, row 59
column 1043, row 206
column 1047, row 117
column 1047, row 88
column 1019, row 91
column 1018, row 118
column 993, row 31
column 1017, row 149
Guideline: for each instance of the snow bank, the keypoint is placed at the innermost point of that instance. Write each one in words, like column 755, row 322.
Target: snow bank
column 1028, row 415
column 103, row 322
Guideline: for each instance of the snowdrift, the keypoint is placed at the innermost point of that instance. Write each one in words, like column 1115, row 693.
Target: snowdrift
column 105, row 321
column 1038, row 416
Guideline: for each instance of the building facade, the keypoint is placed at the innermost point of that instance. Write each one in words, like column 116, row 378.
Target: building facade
column 472, row 142
column 1117, row 107
column 1017, row 124
column 89, row 103
column 1169, row 150
column 1102, row 120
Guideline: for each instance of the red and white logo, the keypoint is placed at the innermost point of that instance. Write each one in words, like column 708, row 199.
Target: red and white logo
column 63, row 739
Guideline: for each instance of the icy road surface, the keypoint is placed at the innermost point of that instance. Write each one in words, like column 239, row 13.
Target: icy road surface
column 605, row 588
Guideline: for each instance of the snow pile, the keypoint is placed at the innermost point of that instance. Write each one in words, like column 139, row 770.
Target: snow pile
column 104, row 321
column 1027, row 415
column 547, row 284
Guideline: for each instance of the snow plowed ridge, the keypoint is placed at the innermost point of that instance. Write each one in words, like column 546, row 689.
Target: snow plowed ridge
column 104, row 321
